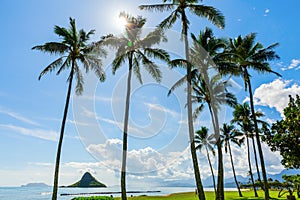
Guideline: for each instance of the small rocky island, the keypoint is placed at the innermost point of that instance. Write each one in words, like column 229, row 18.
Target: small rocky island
column 35, row 185
column 87, row 180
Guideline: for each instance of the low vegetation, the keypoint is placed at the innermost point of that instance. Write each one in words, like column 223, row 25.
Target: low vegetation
column 192, row 196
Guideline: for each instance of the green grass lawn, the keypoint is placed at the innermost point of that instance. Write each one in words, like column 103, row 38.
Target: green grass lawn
column 209, row 196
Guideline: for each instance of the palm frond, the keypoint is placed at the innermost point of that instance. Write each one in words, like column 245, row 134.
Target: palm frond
column 96, row 65
column 168, row 22
column 136, row 67
column 151, row 67
column 73, row 31
column 209, row 12
column 51, row 67
column 158, row 7
column 65, row 65
column 178, row 63
column 64, row 33
column 157, row 54
column 197, row 111
column 178, row 83
column 154, row 37
column 79, row 80
column 52, row 48
column 118, row 61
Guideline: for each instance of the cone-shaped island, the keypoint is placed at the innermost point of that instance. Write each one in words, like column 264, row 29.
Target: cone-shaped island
column 87, row 180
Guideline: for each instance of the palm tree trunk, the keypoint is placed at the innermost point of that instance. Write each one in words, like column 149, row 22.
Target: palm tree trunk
column 220, row 183
column 211, row 169
column 215, row 121
column 250, row 168
column 233, row 170
column 261, row 156
column 62, row 130
column 256, row 163
column 124, row 155
column 200, row 190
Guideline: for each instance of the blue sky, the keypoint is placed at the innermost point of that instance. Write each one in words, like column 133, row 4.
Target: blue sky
column 31, row 110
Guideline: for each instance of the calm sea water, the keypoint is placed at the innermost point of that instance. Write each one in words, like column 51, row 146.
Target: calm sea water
column 44, row 193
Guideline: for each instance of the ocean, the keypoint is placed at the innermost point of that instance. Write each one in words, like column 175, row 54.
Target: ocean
column 44, row 193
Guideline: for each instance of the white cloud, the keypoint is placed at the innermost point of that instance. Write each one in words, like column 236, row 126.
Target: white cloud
column 76, row 122
column 267, row 11
column 150, row 165
column 97, row 98
column 276, row 94
column 19, row 117
column 162, row 108
column 132, row 130
column 38, row 133
column 295, row 64
column 144, row 162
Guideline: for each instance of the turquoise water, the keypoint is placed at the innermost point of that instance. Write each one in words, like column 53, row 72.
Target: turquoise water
column 44, row 193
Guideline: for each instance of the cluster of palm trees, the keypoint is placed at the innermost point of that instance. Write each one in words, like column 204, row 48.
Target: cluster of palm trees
column 207, row 62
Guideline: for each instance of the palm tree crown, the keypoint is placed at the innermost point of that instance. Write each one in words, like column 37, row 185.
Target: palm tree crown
column 203, row 140
column 231, row 135
column 178, row 7
column 245, row 54
column 74, row 48
column 132, row 46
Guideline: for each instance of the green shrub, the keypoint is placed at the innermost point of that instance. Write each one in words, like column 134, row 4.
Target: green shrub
column 93, row 198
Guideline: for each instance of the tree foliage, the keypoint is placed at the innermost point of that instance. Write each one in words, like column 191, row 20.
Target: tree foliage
column 285, row 135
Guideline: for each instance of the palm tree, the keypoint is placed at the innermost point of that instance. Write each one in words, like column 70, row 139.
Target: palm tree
column 230, row 134
column 178, row 10
column 246, row 55
column 242, row 116
column 203, row 140
column 136, row 51
column 207, row 88
column 73, row 49
column 212, row 90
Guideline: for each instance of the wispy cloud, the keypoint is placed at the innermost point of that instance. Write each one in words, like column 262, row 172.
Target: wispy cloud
column 96, row 98
column 99, row 98
column 162, row 108
column 132, row 130
column 295, row 64
column 43, row 164
column 68, row 121
column 38, row 133
column 18, row 117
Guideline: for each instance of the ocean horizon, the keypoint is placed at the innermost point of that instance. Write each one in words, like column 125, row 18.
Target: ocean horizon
column 44, row 193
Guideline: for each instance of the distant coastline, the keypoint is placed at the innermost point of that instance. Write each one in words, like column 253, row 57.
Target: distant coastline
column 35, row 185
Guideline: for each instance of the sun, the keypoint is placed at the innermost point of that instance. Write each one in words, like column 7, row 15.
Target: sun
column 121, row 22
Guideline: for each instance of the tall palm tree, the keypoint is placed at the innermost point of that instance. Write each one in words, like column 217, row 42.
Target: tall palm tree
column 136, row 51
column 73, row 49
column 246, row 55
column 179, row 10
column 242, row 117
column 210, row 88
column 203, row 140
column 231, row 135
